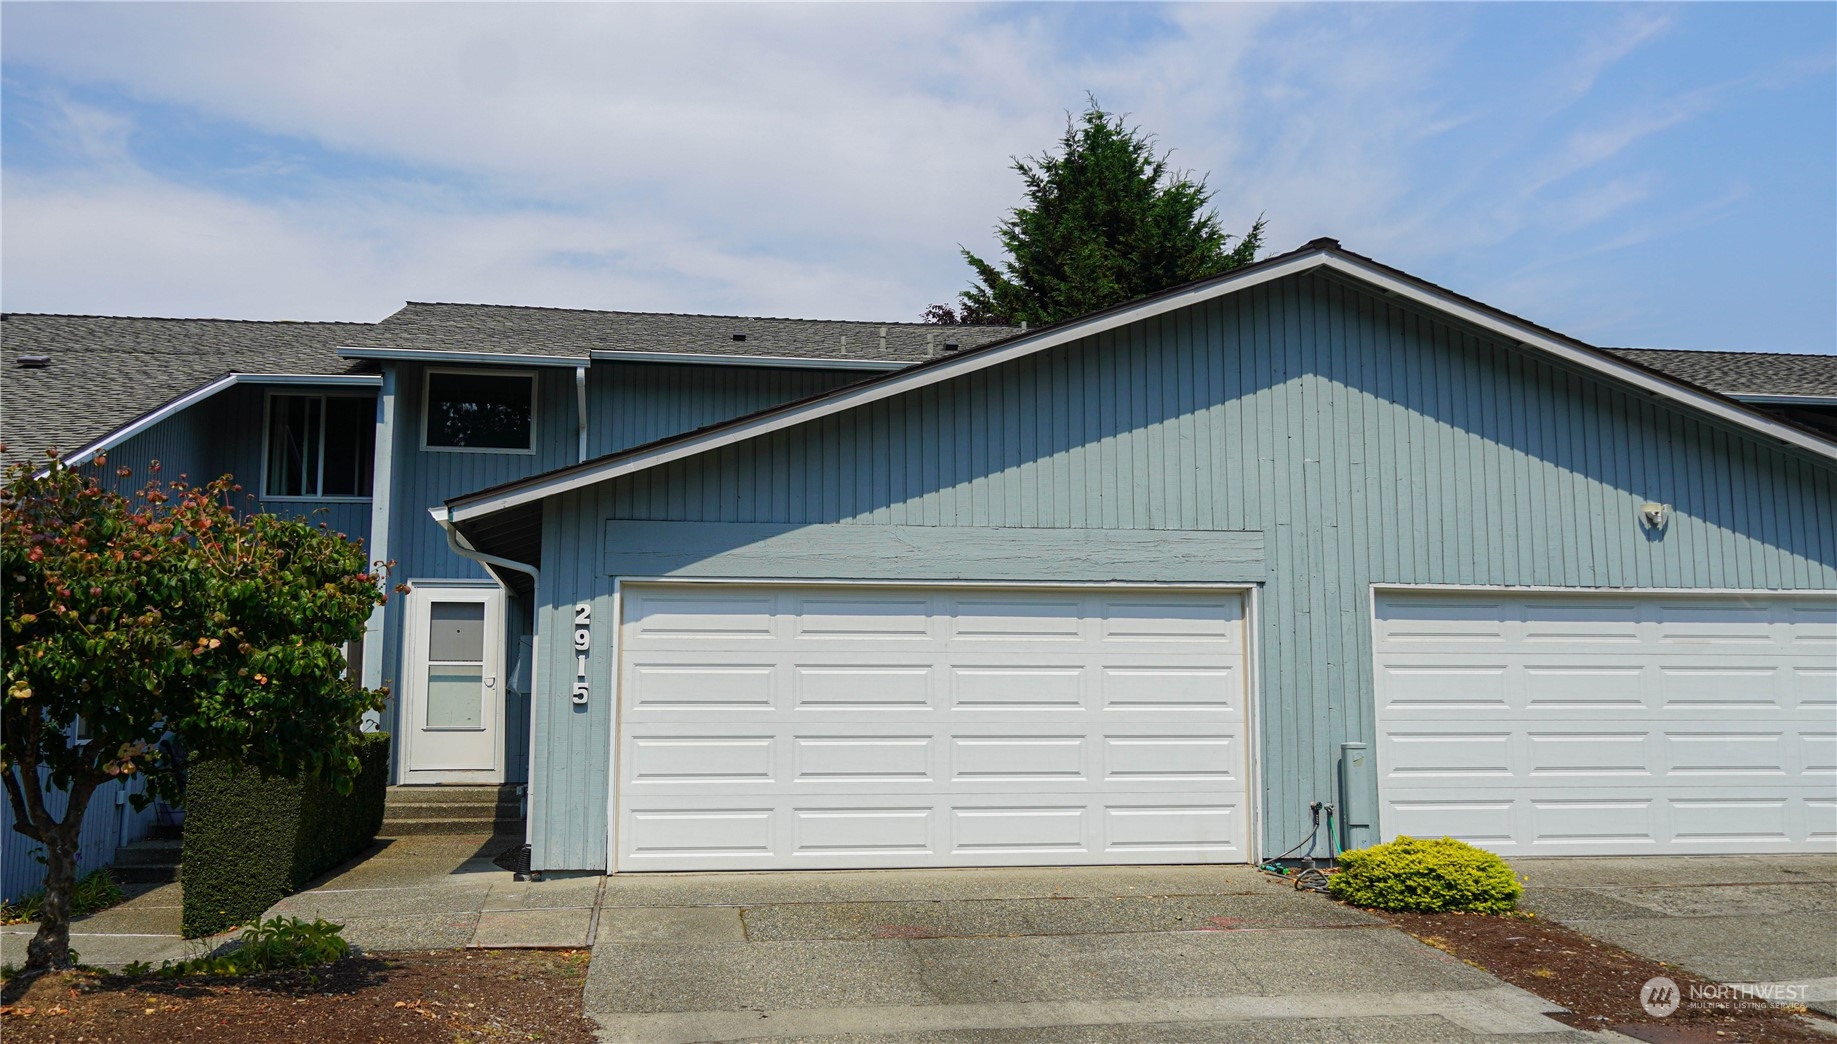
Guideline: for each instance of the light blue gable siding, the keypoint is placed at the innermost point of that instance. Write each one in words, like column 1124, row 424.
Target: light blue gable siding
column 1367, row 443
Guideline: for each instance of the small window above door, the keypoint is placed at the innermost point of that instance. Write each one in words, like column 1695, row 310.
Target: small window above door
column 479, row 411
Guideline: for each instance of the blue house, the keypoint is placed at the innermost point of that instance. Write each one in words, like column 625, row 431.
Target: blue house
column 732, row 593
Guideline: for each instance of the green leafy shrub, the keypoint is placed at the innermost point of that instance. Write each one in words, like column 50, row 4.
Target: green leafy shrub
column 277, row 944
column 253, row 839
column 96, row 891
column 1419, row 875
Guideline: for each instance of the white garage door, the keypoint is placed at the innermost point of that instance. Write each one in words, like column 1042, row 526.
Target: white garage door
column 843, row 726
column 1582, row 724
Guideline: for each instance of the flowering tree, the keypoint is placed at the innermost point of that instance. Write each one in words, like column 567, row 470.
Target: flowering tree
column 130, row 618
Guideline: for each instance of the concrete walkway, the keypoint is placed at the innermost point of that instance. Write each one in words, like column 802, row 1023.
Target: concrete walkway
column 1734, row 919
column 439, row 892
column 1017, row 955
column 144, row 928
column 413, row 893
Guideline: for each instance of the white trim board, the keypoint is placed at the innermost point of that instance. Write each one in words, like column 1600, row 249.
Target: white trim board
column 461, row 358
column 1328, row 258
column 786, row 361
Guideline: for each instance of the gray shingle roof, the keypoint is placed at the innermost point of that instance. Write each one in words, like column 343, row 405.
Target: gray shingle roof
column 519, row 330
column 1742, row 373
column 106, row 371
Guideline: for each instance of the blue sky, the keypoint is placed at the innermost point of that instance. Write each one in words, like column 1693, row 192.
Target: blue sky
column 1629, row 174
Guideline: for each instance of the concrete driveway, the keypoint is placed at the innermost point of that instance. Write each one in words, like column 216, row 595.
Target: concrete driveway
column 1736, row 919
column 1012, row 956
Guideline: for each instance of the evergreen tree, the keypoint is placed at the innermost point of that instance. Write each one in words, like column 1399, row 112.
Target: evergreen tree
column 1104, row 221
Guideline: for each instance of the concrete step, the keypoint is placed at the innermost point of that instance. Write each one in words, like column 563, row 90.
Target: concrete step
column 151, row 852
column 454, row 810
column 508, row 793
column 405, row 826
column 153, row 861
column 458, row 813
column 144, row 874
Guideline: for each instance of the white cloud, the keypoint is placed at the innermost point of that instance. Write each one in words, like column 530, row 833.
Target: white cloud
column 818, row 160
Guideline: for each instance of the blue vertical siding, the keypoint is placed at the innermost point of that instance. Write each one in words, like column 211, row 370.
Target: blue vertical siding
column 628, row 404
column 108, row 823
column 1368, row 442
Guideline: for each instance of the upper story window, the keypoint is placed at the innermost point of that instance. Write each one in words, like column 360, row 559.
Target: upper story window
column 320, row 446
column 480, row 411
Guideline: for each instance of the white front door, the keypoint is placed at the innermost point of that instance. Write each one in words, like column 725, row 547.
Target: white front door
column 453, row 696
column 1609, row 722
column 766, row 727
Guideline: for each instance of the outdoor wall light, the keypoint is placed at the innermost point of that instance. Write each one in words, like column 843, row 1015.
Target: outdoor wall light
column 1654, row 516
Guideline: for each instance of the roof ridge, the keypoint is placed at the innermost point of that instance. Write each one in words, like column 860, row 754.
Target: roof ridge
column 710, row 315
column 1731, row 351
column 185, row 319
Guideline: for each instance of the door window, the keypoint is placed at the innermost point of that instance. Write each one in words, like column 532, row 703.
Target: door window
column 456, row 665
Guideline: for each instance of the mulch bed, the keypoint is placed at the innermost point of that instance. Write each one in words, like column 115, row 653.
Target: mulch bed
column 439, row 996
column 1599, row 983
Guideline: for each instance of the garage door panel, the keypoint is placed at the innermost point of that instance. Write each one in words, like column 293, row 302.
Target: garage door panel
column 1209, row 688
column 859, row 686
column 1816, row 690
column 1015, row 727
column 1711, row 731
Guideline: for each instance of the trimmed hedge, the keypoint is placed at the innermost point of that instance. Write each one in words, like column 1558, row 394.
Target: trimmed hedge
column 251, row 840
column 1419, row 875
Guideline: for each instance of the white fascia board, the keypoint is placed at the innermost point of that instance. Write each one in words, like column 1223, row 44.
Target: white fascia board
column 848, row 399
column 1784, row 400
column 462, row 358
column 147, row 420
column 197, row 395
column 334, row 380
column 1600, row 362
column 786, row 361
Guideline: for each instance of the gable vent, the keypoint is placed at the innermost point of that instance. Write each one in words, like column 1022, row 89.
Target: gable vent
column 33, row 362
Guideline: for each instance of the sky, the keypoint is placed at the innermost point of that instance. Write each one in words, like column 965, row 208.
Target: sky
column 1633, row 175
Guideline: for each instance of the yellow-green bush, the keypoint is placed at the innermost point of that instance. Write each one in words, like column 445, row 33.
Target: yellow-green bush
column 1419, row 875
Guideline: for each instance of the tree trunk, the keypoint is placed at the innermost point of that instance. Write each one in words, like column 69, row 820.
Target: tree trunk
column 50, row 948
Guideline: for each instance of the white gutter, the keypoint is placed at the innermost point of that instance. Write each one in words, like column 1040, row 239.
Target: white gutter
column 788, row 361
column 457, row 543
column 197, row 395
column 1784, row 400
column 580, row 406
column 460, row 358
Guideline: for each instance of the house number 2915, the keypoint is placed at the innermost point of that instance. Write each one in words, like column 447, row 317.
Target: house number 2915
column 583, row 642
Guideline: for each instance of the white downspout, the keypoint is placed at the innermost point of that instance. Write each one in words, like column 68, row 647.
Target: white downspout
column 456, row 543
column 580, row 406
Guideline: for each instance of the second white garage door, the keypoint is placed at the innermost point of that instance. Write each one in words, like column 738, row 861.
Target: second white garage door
column 1595, row 723
column 771, row 727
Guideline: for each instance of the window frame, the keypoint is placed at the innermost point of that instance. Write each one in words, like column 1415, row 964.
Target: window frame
column 268, row 434
column 427, row 415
